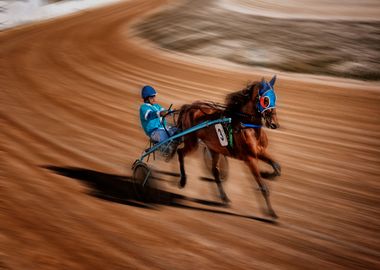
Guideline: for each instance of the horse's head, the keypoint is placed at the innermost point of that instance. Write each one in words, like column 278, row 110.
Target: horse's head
column 258, row 100
column 266, row 103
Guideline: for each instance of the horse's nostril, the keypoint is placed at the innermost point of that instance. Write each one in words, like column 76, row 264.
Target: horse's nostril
column 273, row 126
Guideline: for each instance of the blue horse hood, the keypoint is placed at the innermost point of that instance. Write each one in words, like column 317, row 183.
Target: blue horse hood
column 267, row 98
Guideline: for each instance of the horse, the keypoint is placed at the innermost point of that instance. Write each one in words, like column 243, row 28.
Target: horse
column 248, row 109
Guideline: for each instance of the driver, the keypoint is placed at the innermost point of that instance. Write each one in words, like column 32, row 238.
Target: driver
column 151, row 116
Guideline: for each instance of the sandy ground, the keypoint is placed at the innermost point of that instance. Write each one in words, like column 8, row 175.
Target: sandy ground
column 70, row 132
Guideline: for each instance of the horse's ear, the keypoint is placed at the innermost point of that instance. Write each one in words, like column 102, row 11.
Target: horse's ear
column 272, row 81
column 246, row 91
column 262, row 86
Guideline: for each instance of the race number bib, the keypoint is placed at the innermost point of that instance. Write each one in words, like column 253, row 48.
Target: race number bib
column 221, row 135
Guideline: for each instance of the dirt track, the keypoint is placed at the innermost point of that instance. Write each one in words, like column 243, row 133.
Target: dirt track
column 70, row 132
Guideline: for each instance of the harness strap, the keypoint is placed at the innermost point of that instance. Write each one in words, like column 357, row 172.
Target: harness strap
column 245, row 125
column 230, row 137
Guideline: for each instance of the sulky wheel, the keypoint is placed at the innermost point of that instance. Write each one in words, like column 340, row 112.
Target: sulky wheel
column 222, row 165
column 143, row 182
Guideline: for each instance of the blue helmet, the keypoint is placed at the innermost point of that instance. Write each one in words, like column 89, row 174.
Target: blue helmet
column 148, row 91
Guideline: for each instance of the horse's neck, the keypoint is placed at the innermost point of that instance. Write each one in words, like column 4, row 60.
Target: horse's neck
column 250, row 109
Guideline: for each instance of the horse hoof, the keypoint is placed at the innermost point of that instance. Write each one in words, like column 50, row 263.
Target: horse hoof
column 226, row 200
column 182, row 182
column 272, row 214
column 226, row 204
column 277, row 169
column 268, row 176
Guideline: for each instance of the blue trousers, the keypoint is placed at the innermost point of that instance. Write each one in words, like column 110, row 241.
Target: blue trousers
column 160, row 135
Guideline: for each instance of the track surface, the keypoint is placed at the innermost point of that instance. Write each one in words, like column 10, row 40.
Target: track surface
column 70, row 132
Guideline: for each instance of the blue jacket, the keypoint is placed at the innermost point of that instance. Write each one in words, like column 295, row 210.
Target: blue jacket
column 150, row 117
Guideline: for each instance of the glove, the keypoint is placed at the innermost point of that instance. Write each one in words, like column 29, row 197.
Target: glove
column 163, row 112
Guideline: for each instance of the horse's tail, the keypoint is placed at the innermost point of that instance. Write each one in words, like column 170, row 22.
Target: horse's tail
column 185, row 121
column 181, row 116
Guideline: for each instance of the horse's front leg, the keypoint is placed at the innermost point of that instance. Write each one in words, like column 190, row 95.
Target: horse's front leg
column 181, row 158
column 269, row 160
column 215, row 171
column 253, row 166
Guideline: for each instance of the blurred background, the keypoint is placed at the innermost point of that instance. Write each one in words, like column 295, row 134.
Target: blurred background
column 296, row 36
column 16, row 12
column 319, row 37
column 71, row 74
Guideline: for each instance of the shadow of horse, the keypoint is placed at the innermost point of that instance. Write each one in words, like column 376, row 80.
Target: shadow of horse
column 120, row 189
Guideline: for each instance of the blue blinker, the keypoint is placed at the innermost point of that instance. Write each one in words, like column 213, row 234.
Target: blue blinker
column 267, row 97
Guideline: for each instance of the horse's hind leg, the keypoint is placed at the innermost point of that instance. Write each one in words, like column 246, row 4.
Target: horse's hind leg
column 181, row 158
column 269, row 160
column 252, row 164
column 190, row 144
column 215, row 171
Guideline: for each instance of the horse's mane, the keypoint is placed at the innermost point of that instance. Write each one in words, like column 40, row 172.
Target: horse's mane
column 238, row 99
column 212, row 110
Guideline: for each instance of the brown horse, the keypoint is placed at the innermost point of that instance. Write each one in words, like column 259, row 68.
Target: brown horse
column 247, row 108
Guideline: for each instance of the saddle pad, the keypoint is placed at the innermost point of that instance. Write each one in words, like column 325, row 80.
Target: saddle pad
column 221, row 135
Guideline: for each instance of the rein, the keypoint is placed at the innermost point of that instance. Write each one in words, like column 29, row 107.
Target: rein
column 224, row 107
column 250, row 125
column 247, row 115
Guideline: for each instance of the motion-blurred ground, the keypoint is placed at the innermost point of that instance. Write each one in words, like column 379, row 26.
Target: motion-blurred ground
column 70, row 93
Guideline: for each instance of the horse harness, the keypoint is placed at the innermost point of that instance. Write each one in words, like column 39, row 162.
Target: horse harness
column 240, row 120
